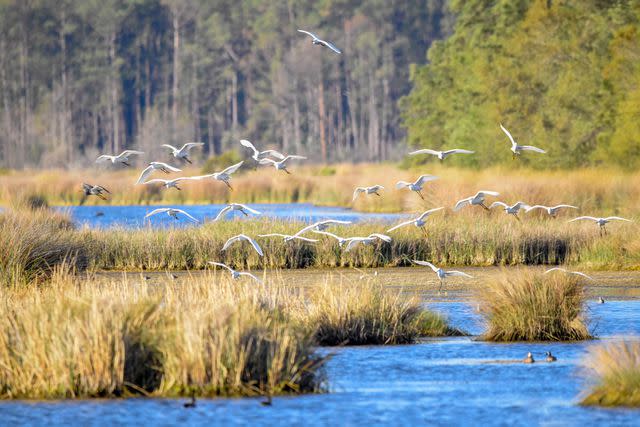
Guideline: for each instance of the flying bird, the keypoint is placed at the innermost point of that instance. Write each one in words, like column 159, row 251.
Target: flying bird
column 551, row 210
column 169, row 183
column 417, row 185
column 94, row 190
column 156, row 166
column 442, row 274
column 602, row 222
column 322, row 225
column 477, row 199
column 577, row 273
column 172, row 212
column 259, row 155
column 418, row 222
column 341, row 240
column 246, row 210
column 516, row 149
column 441, row 154
column 511, row 210
column 182, row 153
column 224, row 176
column 234, row 273
column 240, row 238
column 282, row 164
column 288, row 237
column 367, row 190
column 122, row 158
column 318, row 41
column 355, row 241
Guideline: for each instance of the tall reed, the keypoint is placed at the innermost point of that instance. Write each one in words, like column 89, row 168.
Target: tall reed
column 614, row 369
column 74, row 339
column 528, row 306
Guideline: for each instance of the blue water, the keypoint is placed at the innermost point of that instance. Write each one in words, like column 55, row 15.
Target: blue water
column 455, row 381
column 133, row 216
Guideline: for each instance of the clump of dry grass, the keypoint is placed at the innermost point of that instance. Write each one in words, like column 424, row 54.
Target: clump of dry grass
column 615, row 369
column 360, row 314
column 528, row 306
column 34, row 242
column 73, row 339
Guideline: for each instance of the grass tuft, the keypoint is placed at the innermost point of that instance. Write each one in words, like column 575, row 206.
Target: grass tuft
column 528, row 306
column 615, row 369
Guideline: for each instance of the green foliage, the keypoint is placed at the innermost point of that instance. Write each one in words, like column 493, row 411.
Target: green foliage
column 561, row 75
column 224, row 160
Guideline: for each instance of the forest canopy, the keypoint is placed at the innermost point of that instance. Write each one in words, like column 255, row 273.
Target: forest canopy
column 79, row 77
column 560, row 75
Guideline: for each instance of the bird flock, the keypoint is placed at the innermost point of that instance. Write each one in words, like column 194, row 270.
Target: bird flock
column 280, row 162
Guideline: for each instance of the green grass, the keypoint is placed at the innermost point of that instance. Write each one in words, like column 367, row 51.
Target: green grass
column 614, row 369
column 526, row 306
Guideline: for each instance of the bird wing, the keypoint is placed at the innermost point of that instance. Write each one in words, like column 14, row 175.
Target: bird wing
column 86, row 187
column 309, row 34
column 100, row 187
column 219, row 264
column 250, row 210
column 274, row 235
column 245, row 273
column 255, row 244
column 583, row 217
column 609, row 218
column 357, row 192
column 233, row 168
column 513, row 142
column 187, row 215
column 565, row 206
column 377, row 187
column 484, row 193
column 426, row 264
column 555, row 269
column 333, row 221
column 145, row 173
column 458, row 273
column 424, row 178
column 579, row 273
column 274, row 153
column 326, row 233
column 353, row 242
column 222, row 212
column 531, row 148
column 424, row 151
column 402, row 224
column 248, row 144
column 292, row 157
column 189, row 145
column 429, row 212
column 458, row 151
column 127, row 153
column 104, row 158
column 381, row 237
column 494, row 204
column 402, row 184
column 530, row 208
column 330, row 46
column 520, row 205
column 462, row 203
column 156, row 211
column 169, row 167
column 170, row 146
column 267, row 162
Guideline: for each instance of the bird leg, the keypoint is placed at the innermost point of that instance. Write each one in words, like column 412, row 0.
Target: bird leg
column 101, row 196
column 178, row 188
column 287, row 171
column 377, row 194
column 424, row 230
column 245, row 214
column 126, row 164
column 420, row 194
column 228, row 185
column 484, row 206
column 515, row 215
column 164, row 170
column 187, row 160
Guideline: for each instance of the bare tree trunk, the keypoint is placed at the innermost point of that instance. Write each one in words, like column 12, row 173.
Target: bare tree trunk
column 66, row 116
column 176, row 74
column 297, row 139
column 115, row 116
column 8, row 138
column 321, row 112
column 234, row 103
column 24, row 97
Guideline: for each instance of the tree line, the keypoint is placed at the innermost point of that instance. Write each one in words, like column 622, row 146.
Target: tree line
column 563, row 75
column 80, row 77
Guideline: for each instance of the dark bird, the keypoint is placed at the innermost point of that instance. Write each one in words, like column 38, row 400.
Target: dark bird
column 94, row 190
column 550, row 357
column 192, row 402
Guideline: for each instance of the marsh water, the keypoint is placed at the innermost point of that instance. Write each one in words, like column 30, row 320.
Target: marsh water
column 452, row 381
column 133, row 216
